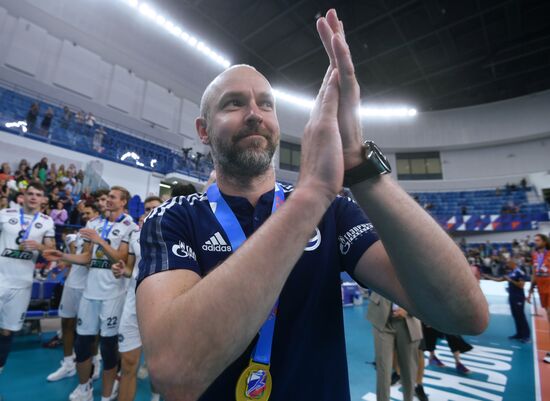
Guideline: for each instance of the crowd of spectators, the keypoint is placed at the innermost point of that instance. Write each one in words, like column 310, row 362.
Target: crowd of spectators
column 63, row 188
column 79, row 122
column 492, row 258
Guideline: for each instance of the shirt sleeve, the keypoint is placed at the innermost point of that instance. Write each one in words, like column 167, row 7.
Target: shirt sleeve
column 166, row 243
column 128, row 233
column 50, row 230
column 354, row 232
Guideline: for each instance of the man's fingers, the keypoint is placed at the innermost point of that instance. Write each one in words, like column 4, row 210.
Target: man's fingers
column 333, row 22
column 325, row 33
column 331, row 96
column 344, row 64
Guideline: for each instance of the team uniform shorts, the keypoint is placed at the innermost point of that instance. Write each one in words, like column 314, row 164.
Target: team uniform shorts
column 128, row 333
column 543, row 283
column 97, row 316
column 70, row 302
column 14, row 303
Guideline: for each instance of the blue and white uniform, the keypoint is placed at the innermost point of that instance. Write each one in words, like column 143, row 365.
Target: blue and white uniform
column 308, row 360
column 103, row 298
column 128, row 332
column 16, row 265
column 75, row 282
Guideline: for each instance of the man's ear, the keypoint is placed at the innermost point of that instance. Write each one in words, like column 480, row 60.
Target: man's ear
column 200, row 126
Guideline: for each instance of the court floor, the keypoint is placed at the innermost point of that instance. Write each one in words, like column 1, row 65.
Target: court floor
column 502, row 369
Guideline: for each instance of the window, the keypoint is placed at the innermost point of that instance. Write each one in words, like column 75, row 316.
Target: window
column 289, row 156
column 419, row 166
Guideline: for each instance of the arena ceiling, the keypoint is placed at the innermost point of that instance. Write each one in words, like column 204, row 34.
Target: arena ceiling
column 433, row 54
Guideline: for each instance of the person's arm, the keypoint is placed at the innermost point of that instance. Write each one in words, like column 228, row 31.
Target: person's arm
column 82, row 258
column 193, row 328
column 416, row 264
column 518, row 283
column 114, row 254
column 122, row 269
column 31, row 245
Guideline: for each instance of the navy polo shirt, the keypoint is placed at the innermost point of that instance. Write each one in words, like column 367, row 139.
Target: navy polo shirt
column 517, row 275
column 308, row 359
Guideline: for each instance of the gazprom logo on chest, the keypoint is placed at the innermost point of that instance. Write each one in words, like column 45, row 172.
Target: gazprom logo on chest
column 183, row 251
column 216, row 243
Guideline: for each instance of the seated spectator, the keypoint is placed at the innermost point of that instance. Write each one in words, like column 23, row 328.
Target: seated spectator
column 17, row 200
column 523, row 183
column 86, row 196
column 32, row 116
column 5, row 172
column 59, row 215
column 4, row 189
column 77, row 215
column 24, row 168
column 67, row 118
column 46, row 122
column 54, row 196
column 60, row 172
column 3, row 202
column 67, row 199
column 98, row 139
column 40, row 169
column 89, row 122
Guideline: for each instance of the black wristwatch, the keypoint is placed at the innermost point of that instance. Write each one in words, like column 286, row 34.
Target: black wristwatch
column 374, row 164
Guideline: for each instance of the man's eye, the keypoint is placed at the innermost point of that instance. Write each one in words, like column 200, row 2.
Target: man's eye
column 233, row 103
column 267, row 104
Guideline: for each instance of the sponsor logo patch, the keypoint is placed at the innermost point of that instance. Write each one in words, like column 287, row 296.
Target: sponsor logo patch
column 347, row 240
column 314, row 242
column 183, row 251
column 216, row 243
column 13, row 221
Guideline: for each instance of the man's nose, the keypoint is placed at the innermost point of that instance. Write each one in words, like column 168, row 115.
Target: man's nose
column 254, row 115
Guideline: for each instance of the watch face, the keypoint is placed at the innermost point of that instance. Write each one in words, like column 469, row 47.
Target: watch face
column 380, row 156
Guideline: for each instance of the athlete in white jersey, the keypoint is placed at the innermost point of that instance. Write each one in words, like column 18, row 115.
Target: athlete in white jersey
column 24, row 232
column 70, row 300
column 129, row 340
column 106, row 241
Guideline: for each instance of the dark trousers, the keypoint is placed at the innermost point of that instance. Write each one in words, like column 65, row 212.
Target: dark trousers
column 456, row 343
column 517, row 305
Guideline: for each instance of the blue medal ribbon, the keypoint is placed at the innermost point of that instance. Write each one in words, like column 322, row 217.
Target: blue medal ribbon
column 24, row 227
column 107, row 229
column 236, row 236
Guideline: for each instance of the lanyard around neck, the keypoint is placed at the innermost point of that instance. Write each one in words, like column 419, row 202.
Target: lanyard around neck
column 236, row 236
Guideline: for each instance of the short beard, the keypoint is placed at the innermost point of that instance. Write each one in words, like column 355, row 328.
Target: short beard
column 243, row 164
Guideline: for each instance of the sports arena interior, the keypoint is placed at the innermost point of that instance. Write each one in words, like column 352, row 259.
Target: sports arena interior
column 96, row 94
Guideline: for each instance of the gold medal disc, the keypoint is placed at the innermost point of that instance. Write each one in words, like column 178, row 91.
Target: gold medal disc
column 99, row 253
column 254, row 383
column 21, row 247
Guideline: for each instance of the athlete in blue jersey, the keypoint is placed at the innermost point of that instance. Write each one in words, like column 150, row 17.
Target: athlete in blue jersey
column 238, row 293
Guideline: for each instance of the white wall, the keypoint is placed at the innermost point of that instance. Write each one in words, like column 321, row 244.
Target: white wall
column 104, row 57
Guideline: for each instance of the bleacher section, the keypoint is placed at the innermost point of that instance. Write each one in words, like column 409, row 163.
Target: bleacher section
column 14, row 107
column 482, row 210
column 479, row 210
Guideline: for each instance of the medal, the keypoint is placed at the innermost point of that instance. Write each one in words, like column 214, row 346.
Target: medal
column 254, row 383
column 105, row 230
column 99, row 253
column 25, row 228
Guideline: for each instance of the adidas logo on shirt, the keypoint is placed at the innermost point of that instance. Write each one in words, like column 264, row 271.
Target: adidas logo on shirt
column 216, row 243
